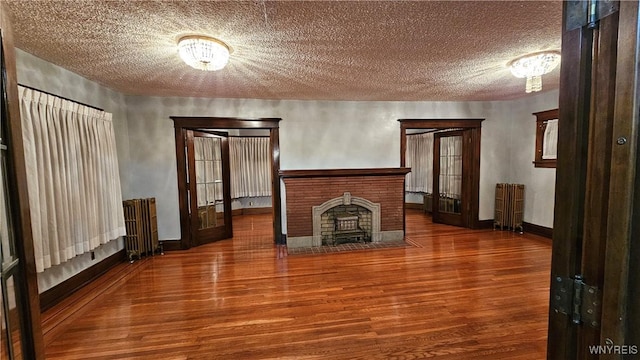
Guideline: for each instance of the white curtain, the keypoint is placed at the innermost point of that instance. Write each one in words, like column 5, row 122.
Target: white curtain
column 208, row 159
column 250, row 167
column 550, row 140
column 451, row 166
column 419, row 157
column 72, row 177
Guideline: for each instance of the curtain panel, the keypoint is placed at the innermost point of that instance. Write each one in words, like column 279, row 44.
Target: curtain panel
column 250, row 167
column 419, row 157
column 550, row 140
column 72, row 177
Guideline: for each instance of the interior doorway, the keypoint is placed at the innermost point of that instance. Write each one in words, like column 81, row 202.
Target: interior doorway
column 456, row 168
column 205, row 201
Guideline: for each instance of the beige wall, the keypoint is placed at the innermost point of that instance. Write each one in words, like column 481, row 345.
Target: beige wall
column 313, row 135
column 539, row 182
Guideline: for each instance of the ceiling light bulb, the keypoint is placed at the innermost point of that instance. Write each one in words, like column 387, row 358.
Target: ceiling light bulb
column 203, row 53
column 533, row 66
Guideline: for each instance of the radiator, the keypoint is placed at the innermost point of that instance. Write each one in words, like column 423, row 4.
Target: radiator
column 141, row 223
column 428, row 203
column 509, row 207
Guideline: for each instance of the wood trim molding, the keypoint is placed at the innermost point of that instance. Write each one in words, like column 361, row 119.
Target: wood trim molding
column 56, row 294
column 257, row 210
column 32, row 342
column 171, row 245
column 483, row 224
column 276, row 196
column 184, row 123
column 538, row 230
column 252, row 211
column 344, row 172
column 225, row 122
column 439, row 123
column 541, row 124
column 413, row 206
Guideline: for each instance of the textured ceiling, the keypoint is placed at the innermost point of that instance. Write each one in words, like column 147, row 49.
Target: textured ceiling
column 333, row 50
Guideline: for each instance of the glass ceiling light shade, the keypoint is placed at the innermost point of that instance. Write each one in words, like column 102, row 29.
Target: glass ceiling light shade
column 533, row 66
column 203, row 53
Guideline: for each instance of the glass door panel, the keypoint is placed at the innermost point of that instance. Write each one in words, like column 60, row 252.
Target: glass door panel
column 448, row 166
column 210, row 198
column 209, row 181
column 450, row 184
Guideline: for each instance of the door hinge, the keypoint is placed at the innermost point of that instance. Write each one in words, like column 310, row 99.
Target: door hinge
column 575, row 298
column 588, row 12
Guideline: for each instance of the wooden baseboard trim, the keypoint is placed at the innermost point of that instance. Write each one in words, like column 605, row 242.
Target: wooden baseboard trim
column 484, row 224
column 257, row 211
column 538, row 230
column 413, row 206
column 56, row 294
column 252, row 211
column 236, row 212
column 171, row 245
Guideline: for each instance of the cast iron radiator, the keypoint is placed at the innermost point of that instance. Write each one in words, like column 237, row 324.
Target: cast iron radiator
column 141, row 223
column 509, row 207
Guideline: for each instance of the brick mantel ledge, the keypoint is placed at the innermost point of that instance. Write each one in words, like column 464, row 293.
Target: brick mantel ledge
column 344, row 172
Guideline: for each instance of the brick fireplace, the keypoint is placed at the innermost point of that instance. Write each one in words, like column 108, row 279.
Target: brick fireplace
column 369, row 202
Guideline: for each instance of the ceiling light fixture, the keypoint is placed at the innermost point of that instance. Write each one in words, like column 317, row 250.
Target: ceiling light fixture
column 533, row 66
column 203, row 53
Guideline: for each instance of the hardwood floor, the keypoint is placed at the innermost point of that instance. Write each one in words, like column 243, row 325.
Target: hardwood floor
column 455, row 294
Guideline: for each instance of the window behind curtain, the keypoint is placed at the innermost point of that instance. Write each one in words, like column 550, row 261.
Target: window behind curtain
column 73, row 177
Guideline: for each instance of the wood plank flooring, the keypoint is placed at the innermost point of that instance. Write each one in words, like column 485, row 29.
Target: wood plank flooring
column 455, row 294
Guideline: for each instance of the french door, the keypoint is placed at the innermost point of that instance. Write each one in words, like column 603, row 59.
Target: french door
column 208, row 179
column 594, row 312
column 448, row 169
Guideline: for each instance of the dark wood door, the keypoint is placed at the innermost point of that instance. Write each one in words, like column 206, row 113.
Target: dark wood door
column 209, row 192
column 448, row 168
column 594, row 312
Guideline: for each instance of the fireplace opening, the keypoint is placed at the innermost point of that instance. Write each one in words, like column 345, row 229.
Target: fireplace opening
column 346, row 224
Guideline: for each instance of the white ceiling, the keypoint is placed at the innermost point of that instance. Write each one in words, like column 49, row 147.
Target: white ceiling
column 321, row 50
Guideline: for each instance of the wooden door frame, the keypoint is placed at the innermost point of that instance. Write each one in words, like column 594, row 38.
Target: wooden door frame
column 471, row 188
column 182, row 124
column 27, row 283
column 597, row 200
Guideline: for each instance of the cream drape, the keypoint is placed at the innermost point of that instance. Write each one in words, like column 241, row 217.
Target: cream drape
column 419, row 157
column 72, row 177
column 250, row 167
column 451, row 167
column 550, row 140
